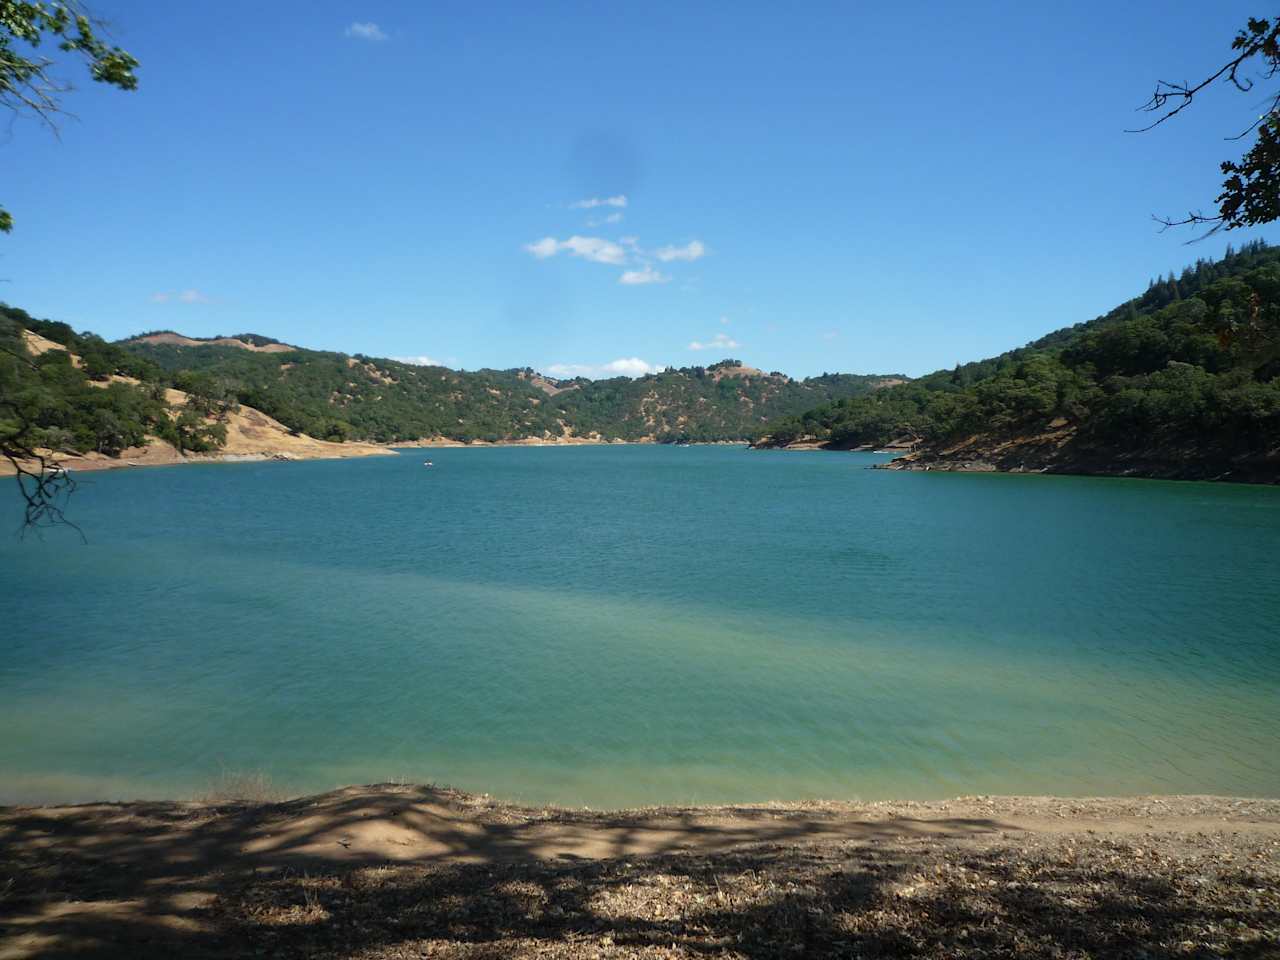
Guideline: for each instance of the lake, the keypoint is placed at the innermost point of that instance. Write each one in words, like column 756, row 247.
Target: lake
column 642, row 624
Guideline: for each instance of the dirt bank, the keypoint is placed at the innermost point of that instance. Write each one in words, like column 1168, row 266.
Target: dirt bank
column 251, row 434
column 401, row 871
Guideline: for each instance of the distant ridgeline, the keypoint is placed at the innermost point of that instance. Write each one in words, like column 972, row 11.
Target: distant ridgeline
column 1183, row 382
column 106, row 397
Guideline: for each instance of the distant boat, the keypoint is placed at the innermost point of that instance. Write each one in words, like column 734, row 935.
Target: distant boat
column 427, row 463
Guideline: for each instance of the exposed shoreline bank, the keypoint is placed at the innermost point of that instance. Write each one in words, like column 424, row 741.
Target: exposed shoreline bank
column 163, row 455
column 160, row 454
column 1137, row 467
column 395, row 870
column 445, row 442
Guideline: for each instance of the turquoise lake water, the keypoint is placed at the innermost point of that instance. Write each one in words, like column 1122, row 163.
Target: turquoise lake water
column 631, row 625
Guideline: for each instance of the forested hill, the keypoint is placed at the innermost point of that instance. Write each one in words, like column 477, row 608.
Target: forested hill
column 336, row 396
column 333, row 396
column 1183, row 381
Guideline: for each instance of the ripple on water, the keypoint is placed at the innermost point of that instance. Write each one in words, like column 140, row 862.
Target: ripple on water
column 637, row 625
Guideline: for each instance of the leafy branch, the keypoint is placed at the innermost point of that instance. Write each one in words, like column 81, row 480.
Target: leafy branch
column 1251, row 191
column 27, row 85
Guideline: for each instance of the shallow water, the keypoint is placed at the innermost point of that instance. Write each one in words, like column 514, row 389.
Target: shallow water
column 627, row 625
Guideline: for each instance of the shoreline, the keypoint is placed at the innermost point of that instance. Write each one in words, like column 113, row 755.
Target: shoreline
column 444, row 442
column 393, row 870
column 905, row 461
column 159, row 454
column 98, row 462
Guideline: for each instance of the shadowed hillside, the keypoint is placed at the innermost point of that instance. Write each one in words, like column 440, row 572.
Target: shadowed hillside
column 1183, row 381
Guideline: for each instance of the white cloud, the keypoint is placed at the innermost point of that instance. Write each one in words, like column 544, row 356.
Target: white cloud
column 721, row 341
column 645, row 274
column 181, row 296
column 570, row 370
column 365, row 31
column 591, row 202
column 421, row 360
column 831, row 335
column 693, row 250
column 625, row 251
column 724, row 321
column 601, row 221
column 630, row 367
column 595, row 249
column 622, row 367
column 546, row 247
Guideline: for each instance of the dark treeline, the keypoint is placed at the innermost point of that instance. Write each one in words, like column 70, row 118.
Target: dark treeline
column 1193, row 362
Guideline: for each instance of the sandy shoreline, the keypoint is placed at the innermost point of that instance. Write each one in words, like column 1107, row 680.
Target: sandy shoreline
column 94, row 463
column 160, row 454
column 398, row 870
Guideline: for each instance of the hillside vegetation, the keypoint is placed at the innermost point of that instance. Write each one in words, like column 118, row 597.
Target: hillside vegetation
column 335, row 396
column 1183, row 381
column 90, row 396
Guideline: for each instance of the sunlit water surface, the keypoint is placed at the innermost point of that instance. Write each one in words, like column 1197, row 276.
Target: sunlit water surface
column 628, row 625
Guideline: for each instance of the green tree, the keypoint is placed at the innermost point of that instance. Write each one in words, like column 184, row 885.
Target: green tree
column 1251, row 191
column 28, row 85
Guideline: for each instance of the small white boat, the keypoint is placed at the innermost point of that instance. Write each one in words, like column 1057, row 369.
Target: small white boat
column 427, row 463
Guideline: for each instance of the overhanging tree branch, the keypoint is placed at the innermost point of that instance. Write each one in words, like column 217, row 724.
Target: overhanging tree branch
column 1251, row 191
column 27, row 87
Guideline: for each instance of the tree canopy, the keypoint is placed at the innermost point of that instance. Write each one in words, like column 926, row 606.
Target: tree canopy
column 1189, row 372
column 28, row 84
column 1251, row 189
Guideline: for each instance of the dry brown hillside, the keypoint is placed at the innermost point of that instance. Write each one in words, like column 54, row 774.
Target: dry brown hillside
column 251, row 434
column 179, row 340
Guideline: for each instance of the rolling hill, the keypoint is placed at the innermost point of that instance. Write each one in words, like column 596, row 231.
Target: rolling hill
column 1180, row 382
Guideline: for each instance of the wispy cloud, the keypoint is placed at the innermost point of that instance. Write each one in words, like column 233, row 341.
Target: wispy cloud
column 595, row 249
column 622, row 367
column 592, row 202
column 181, row 296
column 601, row 221
column 721, row 341
column 724, row 321
column 623, row 252
column 421, row 360
column 365, row 31
column 645, row 274
column 693, row 250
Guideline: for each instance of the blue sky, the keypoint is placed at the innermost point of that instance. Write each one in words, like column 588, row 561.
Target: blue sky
column 590, row 186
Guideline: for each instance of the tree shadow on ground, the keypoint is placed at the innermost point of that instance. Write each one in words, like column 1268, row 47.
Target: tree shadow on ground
column 902, row 899
column 420, row 872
